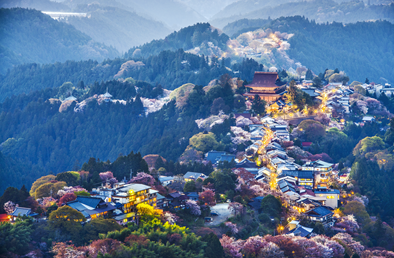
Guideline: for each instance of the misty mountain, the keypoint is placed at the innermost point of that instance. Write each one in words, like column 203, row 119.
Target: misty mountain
column 117, row 27
column 42, row 5
column 29, row 36
column 318, row 10
column 208, row 8
column 173, row 13
column 243, row 7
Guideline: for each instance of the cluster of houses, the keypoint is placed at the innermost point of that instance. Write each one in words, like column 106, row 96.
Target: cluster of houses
column 306, row 185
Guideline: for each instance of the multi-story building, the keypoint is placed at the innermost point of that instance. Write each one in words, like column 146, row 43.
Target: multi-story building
column 321, row 170
column 126, row 197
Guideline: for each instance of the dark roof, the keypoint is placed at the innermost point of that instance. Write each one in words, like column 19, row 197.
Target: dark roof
column 264, row 79
column 90, row 201
column 246, row 164
column 319, row 212
column 300, row 231
column 174, row 195
column 192, row 194
column 298, row 173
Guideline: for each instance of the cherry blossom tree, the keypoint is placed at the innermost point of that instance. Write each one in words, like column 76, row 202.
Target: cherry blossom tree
column 253, row 245
column 348, row 222
column 233, row 227
column 10, row 207
column 347, row 239
column 143, row 178
column 271, row 250
column 103, row 246
column 231, row 247
column 70, row 189
column 169, row 217
column 104, row 176
column 236, row 208
column 193, row 207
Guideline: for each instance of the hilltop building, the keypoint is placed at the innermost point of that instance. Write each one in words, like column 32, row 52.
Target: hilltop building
column 264, row 85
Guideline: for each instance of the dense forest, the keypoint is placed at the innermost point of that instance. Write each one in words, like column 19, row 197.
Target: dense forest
column 31, row 36
column 36, row 130
column 169, row 69
column 186, row 38
column 352, row 48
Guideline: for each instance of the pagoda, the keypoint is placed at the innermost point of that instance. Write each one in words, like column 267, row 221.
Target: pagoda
column 264, row 85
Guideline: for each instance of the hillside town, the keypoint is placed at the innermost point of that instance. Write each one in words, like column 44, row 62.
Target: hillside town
column 274, row 185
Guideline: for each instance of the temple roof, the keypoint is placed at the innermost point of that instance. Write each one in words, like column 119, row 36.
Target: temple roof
column 264, row 79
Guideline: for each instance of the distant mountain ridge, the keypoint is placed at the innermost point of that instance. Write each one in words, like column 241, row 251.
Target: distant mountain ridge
column 30, row 36
column 319, row 10
column 117, row 27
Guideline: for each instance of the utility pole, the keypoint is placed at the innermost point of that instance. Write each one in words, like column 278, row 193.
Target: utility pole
column 131, row 173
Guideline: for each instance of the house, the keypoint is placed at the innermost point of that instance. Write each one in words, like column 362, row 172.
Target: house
column 213, row 156
column 21, row 211
column 128, row 196
column 301, row 231
column 369, row 119
column 166, row 180
column 193, row 176
column 192, row 196
column 161, row 201
column 328, row 198
column 248, row 165
column 304, row 178
column 322, row 172
column 92, row 207
column 176, row 200
column 320, row 214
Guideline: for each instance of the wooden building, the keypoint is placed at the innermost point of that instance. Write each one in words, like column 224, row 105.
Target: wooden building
column 264, row 85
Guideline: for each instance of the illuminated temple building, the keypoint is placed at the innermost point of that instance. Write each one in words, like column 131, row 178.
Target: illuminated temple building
column 264, row 85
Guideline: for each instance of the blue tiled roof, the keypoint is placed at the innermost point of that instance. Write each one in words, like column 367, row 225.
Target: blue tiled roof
column 89, row 201
column 332, row 191
column 320, row 211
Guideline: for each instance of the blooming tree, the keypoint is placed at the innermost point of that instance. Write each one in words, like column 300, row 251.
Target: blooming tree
column 143, row 178
column 169, row 217
column 347, row 239
column 231, row 247
column 193, row 207
column 271, row 250
column 104, row 176
column 10, row 207
column 236, row 207
column 349, row 223
column 70, row 189
column 253, row 245
column 233, row 227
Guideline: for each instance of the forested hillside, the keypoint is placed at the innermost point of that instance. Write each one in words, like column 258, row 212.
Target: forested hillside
column 319, row 10
column 352, row 48
column 31, row 36
column 15, row 173
column 186, row 38
column 170, row 69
